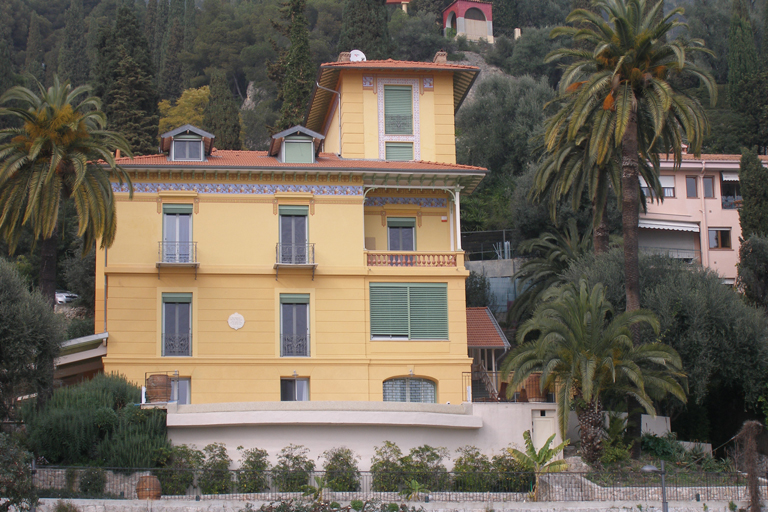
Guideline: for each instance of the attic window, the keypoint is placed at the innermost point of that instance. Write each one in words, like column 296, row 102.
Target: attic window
column 298, row 150
column 187, row 147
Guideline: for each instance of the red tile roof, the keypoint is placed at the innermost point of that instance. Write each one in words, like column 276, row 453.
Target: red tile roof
column 483, row 330
column 398, row 64
column 260, row 159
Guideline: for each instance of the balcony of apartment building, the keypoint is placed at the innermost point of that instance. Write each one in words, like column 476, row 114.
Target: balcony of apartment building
column 482, row 385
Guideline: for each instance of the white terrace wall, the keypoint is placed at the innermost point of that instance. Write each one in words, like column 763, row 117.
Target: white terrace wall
column 360, row 426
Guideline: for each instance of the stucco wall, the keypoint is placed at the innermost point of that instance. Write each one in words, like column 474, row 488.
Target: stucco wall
column 359, row 426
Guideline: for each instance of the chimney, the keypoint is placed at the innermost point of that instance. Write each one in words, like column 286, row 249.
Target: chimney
column 343, row 57
column 117, row 153
column 441, row 57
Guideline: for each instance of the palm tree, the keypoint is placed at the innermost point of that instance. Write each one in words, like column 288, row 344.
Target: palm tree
column 617, row 88
column 61, row 152
column 539, row 461
column 585, row 350
column 552, row 255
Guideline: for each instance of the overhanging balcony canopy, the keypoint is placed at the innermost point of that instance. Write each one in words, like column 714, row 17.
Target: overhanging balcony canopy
column 671, row 225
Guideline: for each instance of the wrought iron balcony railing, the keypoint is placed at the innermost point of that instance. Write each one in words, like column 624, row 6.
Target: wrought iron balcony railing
column 295, row 254
column 294, row 345
column 181, row 253
column 177, row 345
column 731, row 202
column 689, row 255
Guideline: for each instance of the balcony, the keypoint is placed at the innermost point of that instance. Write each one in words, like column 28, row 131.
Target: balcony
column 294, row 345
column 177, row 345
column 731, row 202
column 295, row 256
column 486, row 386
column 687, row 255
column 177, row 254
column 411, row 259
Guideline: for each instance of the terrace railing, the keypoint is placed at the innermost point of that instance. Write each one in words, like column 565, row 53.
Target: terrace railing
column 410, row 259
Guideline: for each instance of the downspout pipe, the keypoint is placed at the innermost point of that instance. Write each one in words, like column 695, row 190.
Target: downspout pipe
column 337, row 93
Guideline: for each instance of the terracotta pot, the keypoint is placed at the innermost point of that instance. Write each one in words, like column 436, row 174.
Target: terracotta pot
column 148, row 488
column 158, row 388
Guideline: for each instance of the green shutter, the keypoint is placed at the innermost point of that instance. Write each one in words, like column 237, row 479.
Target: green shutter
column 177, row 208
column 294, row 298
column 398, row 110
column 298, row 152
column 293, row 210
column 401, row 222
column 399, row 151
column 429, row 312
column 177, row 297
column 389, row 310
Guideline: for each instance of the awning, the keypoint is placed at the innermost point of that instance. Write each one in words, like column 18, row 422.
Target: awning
column 669, row 224
column 730, row 176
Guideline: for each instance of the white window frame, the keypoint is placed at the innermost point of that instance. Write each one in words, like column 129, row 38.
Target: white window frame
column 296, row 381
column 181, row 390
column 415, row 139
column 178, row 159
column 407, row 381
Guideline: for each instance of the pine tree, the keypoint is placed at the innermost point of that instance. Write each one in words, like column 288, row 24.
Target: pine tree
column 364, row 28
column 176, row 11
column 294, row 72
column 753, row 182
column 222, row 117
column 131, row 93
column 33, row 64
column 150, row 22
column 742, row 54
column 170, row 80
column 73, row 57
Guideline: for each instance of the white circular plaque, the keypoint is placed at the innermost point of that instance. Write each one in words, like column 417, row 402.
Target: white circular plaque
column 236, row 321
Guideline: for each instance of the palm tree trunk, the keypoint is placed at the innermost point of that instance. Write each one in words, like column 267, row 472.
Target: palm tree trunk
column 630, row 200
column 591, row 427
column 600, row 232
column 48, row 263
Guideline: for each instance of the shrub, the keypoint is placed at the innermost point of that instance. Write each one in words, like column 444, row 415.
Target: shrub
column 472, row 471
column 615, row 453
column 65, row 506
column 15, row 476
column 356, row 505
column 425, row 465
column 79, row 327
column 215, row 477
column 253, row 476
column 386, row 468
column 293, row 467
column 341, row 472
column 178, row 465
column 92, row 481
column 666, row 447
column 510, row 474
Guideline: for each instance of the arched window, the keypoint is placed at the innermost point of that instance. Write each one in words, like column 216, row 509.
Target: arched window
column 410, row 389
column 474, row 14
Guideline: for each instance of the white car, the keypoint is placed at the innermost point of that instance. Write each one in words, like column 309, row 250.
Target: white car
column 64, row 297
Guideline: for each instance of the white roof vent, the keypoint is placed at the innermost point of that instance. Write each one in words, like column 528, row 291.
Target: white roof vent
column 357, row 56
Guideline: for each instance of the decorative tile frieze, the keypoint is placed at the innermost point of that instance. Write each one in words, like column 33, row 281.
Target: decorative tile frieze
column 240, row 188
column 424, row 202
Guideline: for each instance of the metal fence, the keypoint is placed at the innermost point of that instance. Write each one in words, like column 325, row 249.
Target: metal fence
column 106, row 483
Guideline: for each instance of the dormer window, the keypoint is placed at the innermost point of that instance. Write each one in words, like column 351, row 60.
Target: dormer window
column 187, row 144
column 187, row 148
column 296, row 145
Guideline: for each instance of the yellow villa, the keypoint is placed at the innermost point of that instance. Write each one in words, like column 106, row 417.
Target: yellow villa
column 326, row 272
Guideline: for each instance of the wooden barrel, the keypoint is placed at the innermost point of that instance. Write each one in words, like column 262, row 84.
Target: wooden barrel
column 148, row 488
column 158, row 388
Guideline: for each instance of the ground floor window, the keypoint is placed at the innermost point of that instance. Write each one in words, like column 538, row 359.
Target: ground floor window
column 180, row 390
column 409, row 389
column 294, row 390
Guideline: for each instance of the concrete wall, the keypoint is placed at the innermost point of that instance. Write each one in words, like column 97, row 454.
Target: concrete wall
column 659, row 425
column 359, row 426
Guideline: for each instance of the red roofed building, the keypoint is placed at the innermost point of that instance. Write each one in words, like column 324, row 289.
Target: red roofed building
column 400, row 3
column 470, row 18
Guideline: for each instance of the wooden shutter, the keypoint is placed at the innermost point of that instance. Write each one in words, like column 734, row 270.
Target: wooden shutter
column 428, row 311
column 389, row 310
column 399, row 151
column 398, row 110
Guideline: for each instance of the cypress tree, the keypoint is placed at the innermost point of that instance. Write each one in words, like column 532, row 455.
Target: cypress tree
column 364, row 28
column 161, row 27
column 150, row 21
column 742, row 54
column 753, row 182
column 73, row 57
column 222, row 117
column 294, row 72
column 176, row 11
column 33, row 64
column 170, row 80
column 131, row 93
